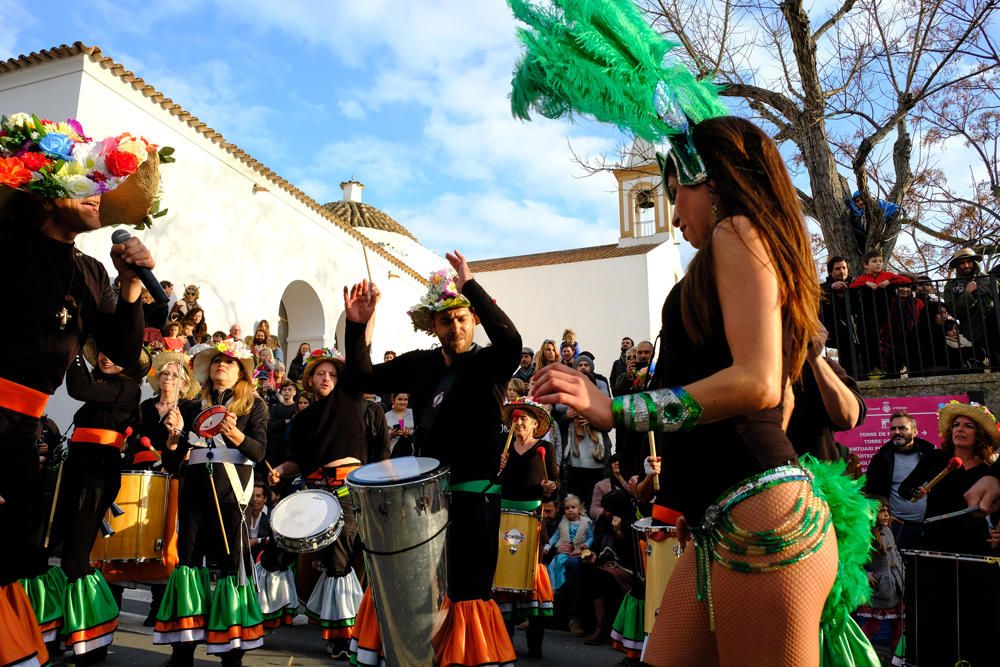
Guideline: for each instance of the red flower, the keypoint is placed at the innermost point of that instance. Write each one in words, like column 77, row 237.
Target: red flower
column 13, row 173
column 120, row 163
column 34, row 161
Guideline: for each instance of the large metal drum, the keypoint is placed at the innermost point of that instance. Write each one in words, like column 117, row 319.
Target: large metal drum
column 403, row 513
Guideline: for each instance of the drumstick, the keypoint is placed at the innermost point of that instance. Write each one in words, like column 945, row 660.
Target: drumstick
column 218, row 508
column 953, row 464
column 545, row 473
column 364, row 249
column 652, row 454
column 52, row 512
column 144, row 441
column 510, row 436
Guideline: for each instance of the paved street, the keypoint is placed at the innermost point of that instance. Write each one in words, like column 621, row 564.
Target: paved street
column 300, row 645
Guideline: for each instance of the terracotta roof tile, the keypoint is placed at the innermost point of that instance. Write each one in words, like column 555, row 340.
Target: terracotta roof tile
column 560, row 257
column 79, row 48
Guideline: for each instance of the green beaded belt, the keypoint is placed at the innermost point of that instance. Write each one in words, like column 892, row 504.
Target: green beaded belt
column 477, row 486
column 796, row 538
column 520, row 505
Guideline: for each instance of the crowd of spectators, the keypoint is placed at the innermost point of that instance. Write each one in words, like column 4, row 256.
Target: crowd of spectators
column 884, row 324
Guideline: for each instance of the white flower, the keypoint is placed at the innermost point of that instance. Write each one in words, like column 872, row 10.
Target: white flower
column 134, row 146
column 78, row 186
column 18, row 120
column 87, row 158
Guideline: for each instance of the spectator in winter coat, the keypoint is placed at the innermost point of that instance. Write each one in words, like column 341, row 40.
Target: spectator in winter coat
column 872, row 290
column 972, row 299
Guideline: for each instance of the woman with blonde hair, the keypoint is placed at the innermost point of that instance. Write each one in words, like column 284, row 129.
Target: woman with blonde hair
column 547, row 354
column 217, row 478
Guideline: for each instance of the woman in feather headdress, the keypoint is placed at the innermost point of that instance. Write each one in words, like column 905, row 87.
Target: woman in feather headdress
column 760, row 586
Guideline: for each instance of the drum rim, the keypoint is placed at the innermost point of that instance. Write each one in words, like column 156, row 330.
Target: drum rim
column 524, row 513
column 157, row 473
column 435, row 472
column 292, row 542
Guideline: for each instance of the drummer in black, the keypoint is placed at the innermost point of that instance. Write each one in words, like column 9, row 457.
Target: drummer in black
column 327, row 442
column 455, row 392
column 528, row 475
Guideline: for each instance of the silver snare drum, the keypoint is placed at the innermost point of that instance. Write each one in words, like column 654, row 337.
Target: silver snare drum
column 307, row 521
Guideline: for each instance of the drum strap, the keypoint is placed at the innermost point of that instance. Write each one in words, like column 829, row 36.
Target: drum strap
column 439, row 396
column 242, row 493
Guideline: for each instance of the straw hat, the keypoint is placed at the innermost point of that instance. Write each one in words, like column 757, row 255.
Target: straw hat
column 56, row 160
column 964, row 253
column 442, row 294
column 233, row 349
column 183, row 361
column 974, row 411
column 536, row 410
column 317, row 357
column 136, row 371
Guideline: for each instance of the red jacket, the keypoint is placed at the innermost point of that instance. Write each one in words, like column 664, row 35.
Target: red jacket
column 894, row 279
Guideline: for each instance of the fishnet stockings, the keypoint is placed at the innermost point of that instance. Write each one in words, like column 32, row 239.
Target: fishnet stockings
column 766, row 619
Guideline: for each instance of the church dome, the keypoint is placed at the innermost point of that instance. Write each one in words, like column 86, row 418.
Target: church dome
column 358, row 214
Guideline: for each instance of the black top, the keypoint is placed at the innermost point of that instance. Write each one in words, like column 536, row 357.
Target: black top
column 110, row 401
column 521, row 479
column 699, row 465
column 964, row 534
column 810, row 428
column 254, row 428
column 38, row 273
column 467, row 423
column 149, row 425
column 327, row 430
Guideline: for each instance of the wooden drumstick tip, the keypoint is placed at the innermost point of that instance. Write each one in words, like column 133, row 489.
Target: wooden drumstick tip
column 652, row 454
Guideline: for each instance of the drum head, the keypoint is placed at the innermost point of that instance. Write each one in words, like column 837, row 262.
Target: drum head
column 647, row 525
column 394, row 471
column 305, row 514
column 208, row 423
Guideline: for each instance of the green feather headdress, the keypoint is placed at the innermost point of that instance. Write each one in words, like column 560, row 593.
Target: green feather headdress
column 600, row 58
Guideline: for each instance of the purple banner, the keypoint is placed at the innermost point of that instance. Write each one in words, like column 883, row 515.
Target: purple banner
column 866, row 439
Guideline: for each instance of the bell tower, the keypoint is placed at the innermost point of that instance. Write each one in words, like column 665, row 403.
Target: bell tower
column 643, row 209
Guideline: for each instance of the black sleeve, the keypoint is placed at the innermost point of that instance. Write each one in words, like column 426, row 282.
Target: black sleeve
column 80, row 385
column 360, row 376
column 118, row 325
column 254, row 443
column 506, row 341
column 376, row 432
column 172, row 459
column 927, row 467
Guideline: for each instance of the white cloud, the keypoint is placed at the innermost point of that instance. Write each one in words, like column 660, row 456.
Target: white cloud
column 351, row 109
column 15, row 20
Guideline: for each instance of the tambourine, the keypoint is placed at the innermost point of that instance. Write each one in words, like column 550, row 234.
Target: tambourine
column 208, row 423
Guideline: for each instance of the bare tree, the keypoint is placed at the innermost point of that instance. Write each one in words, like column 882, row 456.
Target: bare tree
column 846, row 90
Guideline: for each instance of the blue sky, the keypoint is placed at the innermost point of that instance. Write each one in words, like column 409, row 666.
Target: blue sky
column 408, row 97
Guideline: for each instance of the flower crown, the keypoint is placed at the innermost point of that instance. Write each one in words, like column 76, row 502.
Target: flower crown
column 59, row 161
column 442, row 294
column 526, row 401
column 324, row 352
column 236, row 349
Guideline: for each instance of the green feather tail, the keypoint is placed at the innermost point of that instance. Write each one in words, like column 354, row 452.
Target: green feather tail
column 853, row 519
column 600, row 58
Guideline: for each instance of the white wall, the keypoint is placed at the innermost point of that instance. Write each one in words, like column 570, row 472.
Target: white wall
column 242, row 249
column 601, row 300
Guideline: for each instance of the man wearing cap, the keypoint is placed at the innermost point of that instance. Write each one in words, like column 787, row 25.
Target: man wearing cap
column 62, row 298
column 971, row 296
column 454, row 391
column 526, row 368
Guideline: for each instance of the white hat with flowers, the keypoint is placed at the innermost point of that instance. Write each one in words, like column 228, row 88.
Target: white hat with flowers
column 972, row 410
column 442, row 294
column 318, row 356
column 530, row 406
column 234, row 349
column 57, row 160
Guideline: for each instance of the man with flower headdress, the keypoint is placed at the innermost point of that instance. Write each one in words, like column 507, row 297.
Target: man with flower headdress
column 59, row 184
column 455, row 391
column 326, row 443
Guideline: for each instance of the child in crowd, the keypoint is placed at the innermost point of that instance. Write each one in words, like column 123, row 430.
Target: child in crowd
column 571, row 541
column 885, row 573
column 873, row 293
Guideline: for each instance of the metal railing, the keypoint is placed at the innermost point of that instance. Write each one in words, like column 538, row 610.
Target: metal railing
column 907, row 329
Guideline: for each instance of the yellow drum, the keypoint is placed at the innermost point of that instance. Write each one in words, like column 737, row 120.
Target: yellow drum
column 662, row 551
column 139, row 531
column 517, row 553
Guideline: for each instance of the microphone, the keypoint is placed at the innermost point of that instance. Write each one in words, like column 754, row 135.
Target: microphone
column 545, row 472
column 953, row 464
column 144, row 274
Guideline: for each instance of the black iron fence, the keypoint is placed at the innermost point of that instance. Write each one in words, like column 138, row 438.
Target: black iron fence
column 902, row 328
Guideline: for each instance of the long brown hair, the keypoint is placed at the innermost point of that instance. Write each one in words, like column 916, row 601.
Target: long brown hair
column 983, row 447
column 751, row 179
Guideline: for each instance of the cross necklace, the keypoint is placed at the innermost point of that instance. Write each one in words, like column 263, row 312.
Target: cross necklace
column 63, row 315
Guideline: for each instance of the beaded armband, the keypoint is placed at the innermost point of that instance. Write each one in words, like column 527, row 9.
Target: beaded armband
column 665, row 410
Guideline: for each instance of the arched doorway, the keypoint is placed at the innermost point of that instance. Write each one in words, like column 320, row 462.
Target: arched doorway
column 300, row 318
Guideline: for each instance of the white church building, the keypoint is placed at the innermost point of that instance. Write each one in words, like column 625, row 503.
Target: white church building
column 260, row 248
